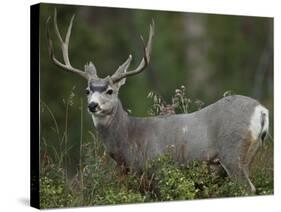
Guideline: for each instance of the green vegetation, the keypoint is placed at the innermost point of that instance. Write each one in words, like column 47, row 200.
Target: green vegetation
column 99, row 181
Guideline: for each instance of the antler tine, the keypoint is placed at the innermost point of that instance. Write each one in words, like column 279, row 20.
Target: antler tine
column 64, row 47
column 145, row 60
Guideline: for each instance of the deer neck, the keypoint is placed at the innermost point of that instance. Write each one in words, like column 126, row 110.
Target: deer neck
column 105, row 122
column 117, row 118
column 114, row 130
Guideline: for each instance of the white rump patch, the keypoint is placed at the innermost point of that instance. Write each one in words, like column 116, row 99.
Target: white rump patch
column 256, row 121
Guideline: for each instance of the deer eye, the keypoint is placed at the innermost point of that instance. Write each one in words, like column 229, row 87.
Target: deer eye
column 87, row 92
column 109, row 91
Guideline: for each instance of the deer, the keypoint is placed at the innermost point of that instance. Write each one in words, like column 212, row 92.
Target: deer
column 229, row 131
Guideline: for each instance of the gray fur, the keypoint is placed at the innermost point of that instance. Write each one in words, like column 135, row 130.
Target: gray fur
column 204, row 134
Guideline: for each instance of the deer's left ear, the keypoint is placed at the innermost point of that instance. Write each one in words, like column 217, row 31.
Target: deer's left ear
column 121, row 82
column 121, row 70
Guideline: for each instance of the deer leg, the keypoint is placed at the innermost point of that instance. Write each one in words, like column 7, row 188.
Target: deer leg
column 238, row 172
column 237, row 164
column 232, row 169
column 246, row 175
column 252, row 151
column 253, row 148
column 216, row 168
column 219, row 170
column 247, row 155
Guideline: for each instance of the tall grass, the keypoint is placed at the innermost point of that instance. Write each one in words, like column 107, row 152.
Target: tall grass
column 100, row 181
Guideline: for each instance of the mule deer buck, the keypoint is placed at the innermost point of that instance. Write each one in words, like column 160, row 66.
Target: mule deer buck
column 229, row 130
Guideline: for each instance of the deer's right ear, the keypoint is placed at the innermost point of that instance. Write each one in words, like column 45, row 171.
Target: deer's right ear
column 121, row 70
column 91, row 70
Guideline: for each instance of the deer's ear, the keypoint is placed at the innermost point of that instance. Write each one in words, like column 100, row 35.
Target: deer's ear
column 91, row 70
column 121, row 82
column 121, row 70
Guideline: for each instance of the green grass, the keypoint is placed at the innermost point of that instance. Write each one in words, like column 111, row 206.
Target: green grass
column 99, row 181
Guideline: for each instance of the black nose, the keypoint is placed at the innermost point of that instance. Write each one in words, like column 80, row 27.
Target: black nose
column 93, row 106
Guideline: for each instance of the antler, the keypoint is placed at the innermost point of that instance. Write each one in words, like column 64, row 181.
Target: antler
column 64, row 47
column 144, row 62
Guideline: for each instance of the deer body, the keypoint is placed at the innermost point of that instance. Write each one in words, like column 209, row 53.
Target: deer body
column 229, row 130
column 222, row 130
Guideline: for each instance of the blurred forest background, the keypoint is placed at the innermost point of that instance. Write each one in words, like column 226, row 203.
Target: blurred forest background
column 208, row 54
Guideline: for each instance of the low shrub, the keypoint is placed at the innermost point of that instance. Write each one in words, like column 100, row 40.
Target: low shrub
column 169, row 182
column 102, row 182
column 53, row 193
